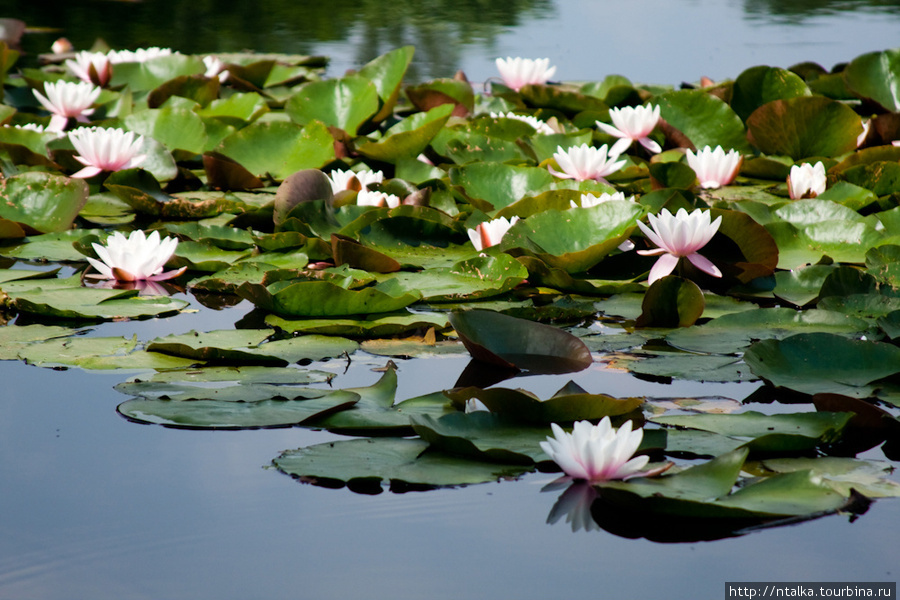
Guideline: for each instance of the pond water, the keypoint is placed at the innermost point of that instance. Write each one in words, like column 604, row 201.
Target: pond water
column 96, row 507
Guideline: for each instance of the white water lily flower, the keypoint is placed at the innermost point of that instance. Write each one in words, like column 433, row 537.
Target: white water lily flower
column 476, row 405
column 350, row 180
column 596, row 452
column 68, row 99
column 586, row 162
column 539, row 126
column 215, row 68
column 715, row 167
column 489, row 233
column 632, row 124
column 806, row 180
column 370, row 198
column 92, row 67
column 589, row 200
column 519, row 72
column 677, row 236
column 100, row 149
column 136, row 257
column 139, row 55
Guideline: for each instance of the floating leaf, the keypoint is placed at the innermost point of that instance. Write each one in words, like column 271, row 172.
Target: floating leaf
column 43, row 202
column 803, row 127
column 365, row 463
column 345, row 103
column 704, row 119
column 874, row 75
column 671, row 302
column 823, row 362
column 279, row 148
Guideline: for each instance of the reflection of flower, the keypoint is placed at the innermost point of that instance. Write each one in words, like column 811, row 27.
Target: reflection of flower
column 585, row 162
column 102, row 149
column 715, row 168
column 370, row 198
column 489, row 233
column 137, row 257
column 596, row 452
column 680, row 235
column 589, row 200
column 806, row 180
column 518, row 72
column 67, row 99
column 575, row 505
column 145, row 287
column 93, row 67
column 350, row 180
column 539, row 126
column 632, row 124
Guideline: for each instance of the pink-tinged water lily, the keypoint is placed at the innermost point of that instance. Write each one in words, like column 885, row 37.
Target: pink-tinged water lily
column 139, row 55
column 67, row 99
column 806, row 180
column 353, row 180
column 596, row 452
column 539, row 126
column 489, row 233
column 589, row 200
column 519, row 72
column 371, row 198
column 715, row 167
column 632, row 124
column 93, row 67
column 136, row 257
column 61, row 46
column 215, row 68
column 476, row 405
column 680, row 235
column 586, row 162
column 101, row 149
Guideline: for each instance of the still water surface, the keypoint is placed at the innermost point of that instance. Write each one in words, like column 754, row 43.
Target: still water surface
column 95, row 507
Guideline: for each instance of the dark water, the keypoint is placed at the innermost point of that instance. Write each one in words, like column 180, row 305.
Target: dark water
column 95, row 507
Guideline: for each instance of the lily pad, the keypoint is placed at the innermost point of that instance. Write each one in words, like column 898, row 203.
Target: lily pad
column 365, row 463
column 515, row 343
column 803, row 127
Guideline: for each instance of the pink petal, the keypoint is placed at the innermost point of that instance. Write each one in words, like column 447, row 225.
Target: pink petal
column 704, row 264
column 664, row 265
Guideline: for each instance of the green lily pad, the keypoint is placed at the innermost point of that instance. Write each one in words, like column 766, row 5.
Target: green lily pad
column 176, row 128
column 249, row 346
column 238, row 414
column 759, row 85
column 804, row 126
column 345, row 103
column 704, row 119
column 43, row 202
column 577, row 239
column 408, row 138
column 841, row 474
column 565, row 406
column 823, row 362
column 15, row 338
column 671, row 302
column 375, row 326
column 874, row 76
column 327, row 299
column 480, row 277
column 279, row 148
column 768, row 433
column 483, row 436
column 501, row 185
column 365, row 463
column 733, row 333
column 81, row 303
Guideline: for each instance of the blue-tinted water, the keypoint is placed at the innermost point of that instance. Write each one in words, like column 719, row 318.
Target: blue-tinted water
column 95, row 507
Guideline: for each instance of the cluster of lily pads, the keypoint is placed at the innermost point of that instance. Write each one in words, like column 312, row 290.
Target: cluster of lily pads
column 519, row 223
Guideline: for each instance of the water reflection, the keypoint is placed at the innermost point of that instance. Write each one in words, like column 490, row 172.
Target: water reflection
column 439, row 29
column 797, row 11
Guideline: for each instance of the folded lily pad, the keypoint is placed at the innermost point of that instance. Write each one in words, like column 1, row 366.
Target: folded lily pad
column 483, row 436
column 515, row 343
column 564, row 407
